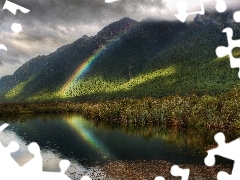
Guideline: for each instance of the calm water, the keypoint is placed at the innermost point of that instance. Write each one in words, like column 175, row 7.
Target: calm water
column 89, row 144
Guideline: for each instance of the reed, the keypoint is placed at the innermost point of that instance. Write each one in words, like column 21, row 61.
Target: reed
column 191, row 110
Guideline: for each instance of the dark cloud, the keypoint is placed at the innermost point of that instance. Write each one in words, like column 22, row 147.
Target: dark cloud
column 53, row 23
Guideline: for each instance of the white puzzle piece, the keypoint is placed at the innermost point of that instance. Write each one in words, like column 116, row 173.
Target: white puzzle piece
column 33, row 169
column 12, row 7
column 227, row 150
column 177, row 172
column 183, row 13
column 222, row 51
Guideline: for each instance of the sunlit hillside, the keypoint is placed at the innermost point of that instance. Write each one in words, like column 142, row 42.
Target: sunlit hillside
column 131, row 59
column 214, row 77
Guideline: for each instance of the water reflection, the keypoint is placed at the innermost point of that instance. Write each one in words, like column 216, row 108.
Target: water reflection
column 82, row 126
column 194, row 138
column 90, row 144
column 51, row 159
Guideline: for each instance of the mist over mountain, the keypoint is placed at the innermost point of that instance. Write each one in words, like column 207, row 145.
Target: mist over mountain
column 120, row 52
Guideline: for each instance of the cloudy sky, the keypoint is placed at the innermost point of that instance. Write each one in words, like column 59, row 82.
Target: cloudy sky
column 53, row 23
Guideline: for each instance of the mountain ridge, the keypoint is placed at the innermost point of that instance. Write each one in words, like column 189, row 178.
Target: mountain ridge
column 119, row 52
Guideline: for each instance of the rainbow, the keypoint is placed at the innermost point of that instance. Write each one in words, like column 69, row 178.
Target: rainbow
column 86, row 64
column 81, row 70
column 80, row 125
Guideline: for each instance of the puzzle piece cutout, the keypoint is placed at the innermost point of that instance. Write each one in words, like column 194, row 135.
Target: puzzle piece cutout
column 85, row 178
column 236, row 16
column 4, row 126
column 35, row 165
column 159, row 178
column 226, row 150
column 3, row 47
column 111, row 1
column 221, row 6
column 33, row 169
column 182, row 8
column 222, row 51
column 12, row 7
column 7, row 162
column 177, row 172
column 17, row 28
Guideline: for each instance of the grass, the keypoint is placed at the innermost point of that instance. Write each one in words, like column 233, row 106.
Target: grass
column 212, row 77
column 18, row 89
column 207, row 111
column 188, row 93
column 99, row 85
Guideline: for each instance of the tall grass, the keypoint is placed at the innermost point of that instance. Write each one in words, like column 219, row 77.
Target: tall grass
column 221, row 111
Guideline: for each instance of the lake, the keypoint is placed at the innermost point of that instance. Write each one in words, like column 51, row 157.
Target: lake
column 90, row 145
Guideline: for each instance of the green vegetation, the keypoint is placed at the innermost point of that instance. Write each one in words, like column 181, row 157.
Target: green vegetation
column 211, row 112
column 191, row 110
column 204, row 95
column 213, row 77
column 149, row 59
column 99, row 85
column 162, row 73
column 18, row 89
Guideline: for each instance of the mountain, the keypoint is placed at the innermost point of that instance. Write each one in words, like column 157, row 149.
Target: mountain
column 127, row 57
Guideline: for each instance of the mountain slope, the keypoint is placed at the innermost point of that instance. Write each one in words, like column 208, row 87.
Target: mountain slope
column 129, row 58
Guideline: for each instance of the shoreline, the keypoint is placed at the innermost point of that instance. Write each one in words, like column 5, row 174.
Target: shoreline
column 210, row 112
column 121, row 170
